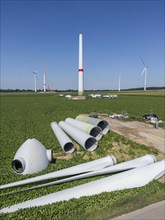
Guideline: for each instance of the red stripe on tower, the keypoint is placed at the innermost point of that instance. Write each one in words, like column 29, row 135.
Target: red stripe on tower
column 80, row 70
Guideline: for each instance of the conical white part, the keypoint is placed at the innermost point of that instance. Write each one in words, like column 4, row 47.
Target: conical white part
column 31, row 157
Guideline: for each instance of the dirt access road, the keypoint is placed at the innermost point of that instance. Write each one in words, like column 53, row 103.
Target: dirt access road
column 140, row 132
column 146, row 134
column 152, row 212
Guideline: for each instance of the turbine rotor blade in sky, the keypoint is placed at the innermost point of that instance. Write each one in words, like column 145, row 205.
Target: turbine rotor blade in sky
column 143, row 61
column 35, row 80
column 143, row 71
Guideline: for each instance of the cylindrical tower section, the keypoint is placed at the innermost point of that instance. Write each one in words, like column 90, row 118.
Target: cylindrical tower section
column 93, row 130
column 95, row 121
column 65, row 142
column 44, row 81
column 88, row 142
column 80, row 67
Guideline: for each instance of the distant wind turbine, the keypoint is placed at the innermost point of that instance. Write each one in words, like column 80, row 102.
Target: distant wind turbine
column 44, row 76
column 119, row 83
column 35, row 80
column 145, row 74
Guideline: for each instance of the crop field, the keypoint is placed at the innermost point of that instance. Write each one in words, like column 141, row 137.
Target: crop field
column 160, row 92
column 28, row 115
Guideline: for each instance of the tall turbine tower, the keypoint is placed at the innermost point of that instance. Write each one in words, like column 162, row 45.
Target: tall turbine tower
column 80, row 70
column 35, row 80
column 119, row 83
column 44, row 76
column 145, row 74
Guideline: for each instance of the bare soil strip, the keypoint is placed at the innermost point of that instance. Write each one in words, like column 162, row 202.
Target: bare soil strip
column 153, row 212
column 139, row 132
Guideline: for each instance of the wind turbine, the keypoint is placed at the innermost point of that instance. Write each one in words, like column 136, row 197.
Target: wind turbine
column 119, row 83
column 44, row 76
column 145, row 74
column 35, row 80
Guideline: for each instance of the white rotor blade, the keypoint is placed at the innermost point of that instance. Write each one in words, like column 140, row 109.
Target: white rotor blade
column 77, row 169
column 143, row 71
column 131, row 164
column 137, row 177
column 143, row 61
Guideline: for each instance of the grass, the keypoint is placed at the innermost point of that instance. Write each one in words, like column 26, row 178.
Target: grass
column 26, row 116
column 160, row 92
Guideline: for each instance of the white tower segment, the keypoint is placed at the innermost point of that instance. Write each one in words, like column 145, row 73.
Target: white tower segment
column 119, row 83
column 35, row 80
column 145, row 74
column 80, row 70
column 44, row 76
column 44, row 79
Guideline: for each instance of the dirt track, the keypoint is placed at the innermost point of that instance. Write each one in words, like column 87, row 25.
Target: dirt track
column 155, row 212
column 155, row 138
column 140, row 132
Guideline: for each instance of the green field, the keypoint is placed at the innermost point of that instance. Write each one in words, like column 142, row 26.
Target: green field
column 29, row 115
column 160, row 92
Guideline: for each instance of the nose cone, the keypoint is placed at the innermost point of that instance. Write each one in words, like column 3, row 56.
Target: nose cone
column 31, row 157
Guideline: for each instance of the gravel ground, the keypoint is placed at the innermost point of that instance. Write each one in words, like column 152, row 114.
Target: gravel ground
column 140, row 132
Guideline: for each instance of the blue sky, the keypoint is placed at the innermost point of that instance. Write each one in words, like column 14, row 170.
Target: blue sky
column 116, row 34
